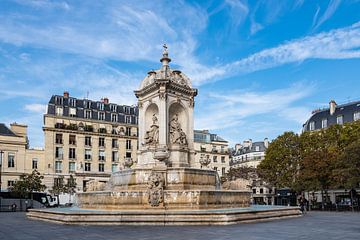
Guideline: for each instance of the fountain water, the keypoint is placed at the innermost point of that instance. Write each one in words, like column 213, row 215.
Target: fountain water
column 163, row 187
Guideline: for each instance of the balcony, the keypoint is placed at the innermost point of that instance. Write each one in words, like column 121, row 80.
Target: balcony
column 102, row 158
column 102, row 130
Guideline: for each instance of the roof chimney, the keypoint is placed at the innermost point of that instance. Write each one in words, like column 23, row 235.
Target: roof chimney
column 105, row 100
column 332, row 106
column 66, row 94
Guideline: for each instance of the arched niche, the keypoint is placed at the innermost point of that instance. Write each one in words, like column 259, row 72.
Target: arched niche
column 176, row 108
column 149, row 113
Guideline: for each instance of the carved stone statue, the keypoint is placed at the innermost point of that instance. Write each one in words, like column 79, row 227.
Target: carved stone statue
column 152, row 136
column 155, row 189
column 204, row 161
column 177, row 135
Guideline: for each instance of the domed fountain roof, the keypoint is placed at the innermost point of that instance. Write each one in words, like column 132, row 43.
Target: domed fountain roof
column 165, row 72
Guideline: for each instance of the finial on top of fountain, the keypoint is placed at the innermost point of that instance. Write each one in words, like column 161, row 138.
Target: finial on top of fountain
column 165, row 58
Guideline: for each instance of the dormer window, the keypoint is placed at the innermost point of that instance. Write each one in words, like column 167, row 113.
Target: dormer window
column 324, row 123
column 127, row 110
column 339, row 119
column 59, row 100
column 72, row 102
column 87, row 104
column 72, row 112
column 312, row 126
column 127, row 119
column 101, row 106
column 101, row 116
column 257, row 148
column 356, row 116
column 87, row 114
column 59, row 111
column 113, row 108
column 114, row 117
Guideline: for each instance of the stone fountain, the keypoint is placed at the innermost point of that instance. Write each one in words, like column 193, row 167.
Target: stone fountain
column 163, row 187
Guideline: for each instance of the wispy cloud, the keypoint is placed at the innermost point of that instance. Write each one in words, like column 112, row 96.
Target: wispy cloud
column 340, row 43
column 229, row 110
column 36, row 108
column 330, row 10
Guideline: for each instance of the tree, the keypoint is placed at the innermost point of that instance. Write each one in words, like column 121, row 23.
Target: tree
column 59, row 187
column 71, row 186
column 28, row 184
column 281, row 164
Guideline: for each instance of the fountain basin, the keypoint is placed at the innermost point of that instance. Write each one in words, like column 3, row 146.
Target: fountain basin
column 223, row 216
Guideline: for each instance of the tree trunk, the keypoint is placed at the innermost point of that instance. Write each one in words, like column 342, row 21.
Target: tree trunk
column 322, row 200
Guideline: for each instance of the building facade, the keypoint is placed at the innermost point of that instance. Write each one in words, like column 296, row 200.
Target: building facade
column 87, row 139
column 334, row 114
column 249, row 154
column 15, row 155
column 211, row 151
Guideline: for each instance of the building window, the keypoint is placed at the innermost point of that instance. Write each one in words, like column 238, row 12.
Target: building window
column 58, row 100
column 59, row 111
column 213, row 149
column 72, row 102
column 72, row 139
column 101, row 106
column 114, row 167
column 87, row 167
column 34, row 163
column 222, row 149
column 72, row 153
column 257, row 148
column 11, row 160
column 127, row 110
column 356, row 116
column 312, row 126
column 71, row 167
column 324, row 123
column 261, row 190
column 128, row 119
column 59, row 152
column 215, row 168
column 101, row 116
column 72, row 112
column 87, row 154
column 114, row 156
column 101, row 155
column 58, row 167
column 128, row 131
column 128, row 154
column 339, row 119
column 101, row 142
column 114, row 143
column 113, row 108
column 222, row 159
column 101, row 167
column 128, row 144
column 114, row 117
column 214, row 158
column 87, row 114
column 223, row 171
column 87, row 104
column 58, row 138
column 254, row 190
column 87, row 141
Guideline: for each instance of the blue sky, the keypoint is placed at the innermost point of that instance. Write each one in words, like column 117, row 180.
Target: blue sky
column 261, row 67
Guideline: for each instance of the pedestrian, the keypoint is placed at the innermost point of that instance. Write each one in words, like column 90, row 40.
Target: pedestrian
column 13, row 207
column 302, row 205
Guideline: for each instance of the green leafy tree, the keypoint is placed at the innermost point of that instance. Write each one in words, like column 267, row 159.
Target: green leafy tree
column 28, row 184
column 59, row 187
column 280, row 167
column 71, row 186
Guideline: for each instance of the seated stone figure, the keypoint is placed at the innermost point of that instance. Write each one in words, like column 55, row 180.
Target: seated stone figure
column 152, row 136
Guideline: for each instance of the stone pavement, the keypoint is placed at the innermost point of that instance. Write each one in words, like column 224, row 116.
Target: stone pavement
column 314, row 225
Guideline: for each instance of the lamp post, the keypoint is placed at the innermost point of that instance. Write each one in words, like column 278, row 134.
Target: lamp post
column 1, row 158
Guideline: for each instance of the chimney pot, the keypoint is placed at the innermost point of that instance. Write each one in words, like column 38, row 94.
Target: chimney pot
column 106, row 100
column 66, row 94
column 332, row 107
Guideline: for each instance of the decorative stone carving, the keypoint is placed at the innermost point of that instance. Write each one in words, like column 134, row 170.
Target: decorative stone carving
column 162, row 95
column 128, row 162
column 177, row 135
column 191, row 102
column 152, row 136
column 140, row 104
column 121, row 131
column 95, row 185
column 155, row 189
column 204, row 161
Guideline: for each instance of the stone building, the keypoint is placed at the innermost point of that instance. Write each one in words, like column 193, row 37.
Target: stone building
column 250, row 154
column 211, row 151
column 335, row 114
column 87, row 139
column 15, row 155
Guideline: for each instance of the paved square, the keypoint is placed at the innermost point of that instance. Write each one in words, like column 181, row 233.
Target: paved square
column 314, row 225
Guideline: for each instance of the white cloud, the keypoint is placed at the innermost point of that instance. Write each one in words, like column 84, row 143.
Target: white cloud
column 36, row 108
column 231, row 109
column 330, row 10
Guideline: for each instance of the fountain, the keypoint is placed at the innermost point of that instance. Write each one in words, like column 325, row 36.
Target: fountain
column 163, row 188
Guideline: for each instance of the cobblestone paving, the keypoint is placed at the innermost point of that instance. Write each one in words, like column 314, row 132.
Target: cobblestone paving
column 314, row 225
